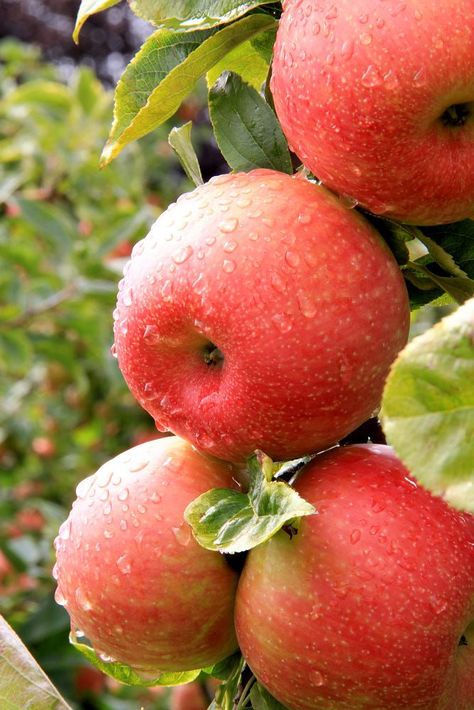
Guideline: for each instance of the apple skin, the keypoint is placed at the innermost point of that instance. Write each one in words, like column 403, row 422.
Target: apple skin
column 364, row 607
column 129, row 572
column 301, row 296
column 360, row 89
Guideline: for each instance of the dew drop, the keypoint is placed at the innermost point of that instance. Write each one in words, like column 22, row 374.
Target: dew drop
column 141, row 508
column 210, row 241
column 374, row 529
column 107, row 509
column 127, row 298
column 306, row 305
column 59, row 597
column 347, row 49
column 108, row 533
column 150, row 333
column 113, row 351
column 230, row 246
column 316, row 28
column 292, row 259
column 84, row 487
column 123, row 495
column 183, row 254
column 419, row 79
column 331, row 13
column 377, row 506
column 278, row 283
column 317, row 678
column 65, row 530
column 363, row 19
column 183, row 534
column 365, row 38
column 379, row 22
column 371, row 77
column 124, row 564
column 55, row 572
column 123, row 525
column 228, row 225
column 139, row 465
column 228, row 266
column 103, row 495
column 155, row 498
column 355, row 536
column 83, row 600
column 167, row 291
column 282, row 322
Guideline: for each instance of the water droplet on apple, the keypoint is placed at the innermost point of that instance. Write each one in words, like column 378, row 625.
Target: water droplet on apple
column 103, row 495
column 141, row 508
column 123, row 495
column 419, row 78
column 183, row 254
column 124, row 326
column 123, row 525
column 306, row 304
column 59, row 597
column 113, row 351
column 83, row 600
column 317, row 678
column 228, row 266
column 230, row 246
column 84, row 487
column 371, row 77
column 331, row 14
column 167, row 291
column 380, row 22
column 65, row 530
column 127, row 298
column 316, row 29
column 377, row 506
column 282, row 322
column 183, row 534
column 150, row 333
column 105, row 657
column 365, row 38
column 355, row 537
column 108, row 534
column 139, row 465
column 347, row 49
column 107, row 509
column 292, row 259
column 228, row 225
column 124, row 564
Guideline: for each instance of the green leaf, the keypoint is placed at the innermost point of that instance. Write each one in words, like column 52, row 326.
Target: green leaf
column 230, row 521
column 49, row 94
column 250, row 60
column 224, row 669
column 180, row 140
column 164, row 72
column 15, row 349
column 192, row 14
column 125, row 674
column 88, row 8
column 53, row 223
column 441, row 256
column 22, row 682
column 458, row 287
column 227, row 691
column 246, row 128
column 428, row 407
column 262, row 700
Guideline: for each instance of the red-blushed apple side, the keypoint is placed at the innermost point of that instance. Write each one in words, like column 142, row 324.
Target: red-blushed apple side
column 260, row 313
column 365, row 608
column 129, row 572
column 377, row 99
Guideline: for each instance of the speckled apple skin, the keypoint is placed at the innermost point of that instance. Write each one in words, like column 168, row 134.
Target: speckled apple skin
column 360, row 87
column 131, row 575
column 299, row 293
column 364, row 608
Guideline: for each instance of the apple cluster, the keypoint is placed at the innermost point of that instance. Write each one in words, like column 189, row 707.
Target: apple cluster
column 261, row 312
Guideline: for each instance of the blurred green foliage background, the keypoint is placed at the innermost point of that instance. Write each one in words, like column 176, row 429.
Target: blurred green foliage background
column 66, row 230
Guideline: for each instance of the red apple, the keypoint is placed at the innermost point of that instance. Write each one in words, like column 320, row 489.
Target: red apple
column 129, row 572
column 370, row 606
column 377, row 99
column 260, row 313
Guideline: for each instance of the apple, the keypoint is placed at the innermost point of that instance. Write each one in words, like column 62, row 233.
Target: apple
column 370, row 606
column 188, row 697
column 134, row 581
column 377, row 99
column 260, row 313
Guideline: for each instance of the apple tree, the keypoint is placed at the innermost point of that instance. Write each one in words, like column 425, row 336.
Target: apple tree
column 267, row 312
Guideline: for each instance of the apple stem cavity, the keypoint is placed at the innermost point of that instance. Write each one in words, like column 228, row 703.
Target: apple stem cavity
column 212, row 355
column 456, row 115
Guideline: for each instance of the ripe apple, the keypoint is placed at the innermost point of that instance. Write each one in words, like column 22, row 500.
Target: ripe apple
column 370, row 606
column 260, row 313
column 377, row 99
column 129, row 572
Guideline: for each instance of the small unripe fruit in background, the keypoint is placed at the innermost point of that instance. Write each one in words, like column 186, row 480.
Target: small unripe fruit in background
column 131, row 576
column 370, row 606
column 260, row 313
column 377, row 99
